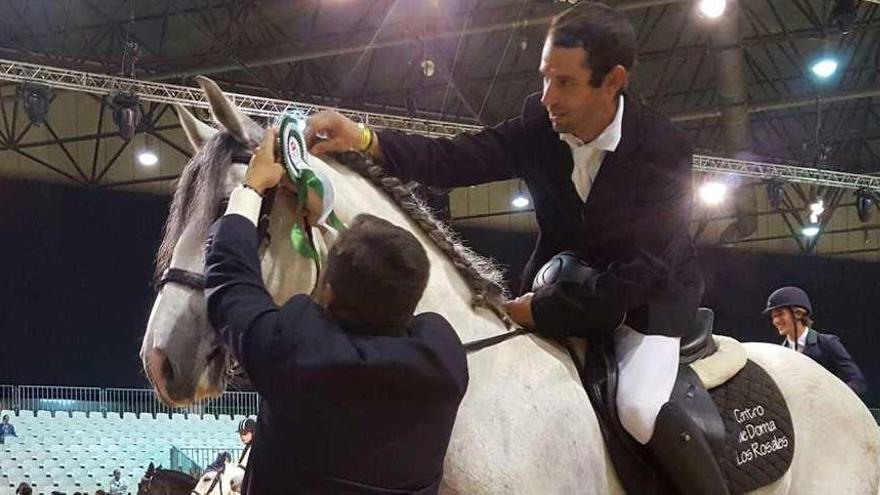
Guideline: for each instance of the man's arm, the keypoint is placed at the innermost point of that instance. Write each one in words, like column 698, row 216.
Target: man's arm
column 239, row 306
column 844, row 366
column 467, row 159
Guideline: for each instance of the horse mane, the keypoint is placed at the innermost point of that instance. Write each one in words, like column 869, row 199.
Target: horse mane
column 483, row 276
column 198, row 194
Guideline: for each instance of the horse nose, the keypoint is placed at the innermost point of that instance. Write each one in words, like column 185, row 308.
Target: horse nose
column 161, row 371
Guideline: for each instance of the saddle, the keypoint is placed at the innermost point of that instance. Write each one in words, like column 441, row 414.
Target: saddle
column 735, row 403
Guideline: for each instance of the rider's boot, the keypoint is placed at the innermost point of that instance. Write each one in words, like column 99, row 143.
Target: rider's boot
column 683, row 454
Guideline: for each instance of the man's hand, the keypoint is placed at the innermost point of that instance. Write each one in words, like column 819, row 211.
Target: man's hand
column 264, row 172
column 331, row 132
column 520, row 310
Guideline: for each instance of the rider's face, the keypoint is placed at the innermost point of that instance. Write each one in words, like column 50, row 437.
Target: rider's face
column 246, row 437
column 783, row 320
column 573, row 104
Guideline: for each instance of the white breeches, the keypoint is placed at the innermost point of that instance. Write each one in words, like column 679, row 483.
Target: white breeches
column 647, row 367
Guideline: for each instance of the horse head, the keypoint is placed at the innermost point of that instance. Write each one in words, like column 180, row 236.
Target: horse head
column 181, row 354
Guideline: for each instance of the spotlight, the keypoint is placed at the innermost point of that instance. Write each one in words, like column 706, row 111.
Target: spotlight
column 775, row 194
column 520, row 199
column 810, row 230
column 36, row 103
column 428, row 67
column 126, row 114
column 712, row 9
column 865, row 205
column 824, row 68
column 817, row 208
column 713, row 193
column 147, row 157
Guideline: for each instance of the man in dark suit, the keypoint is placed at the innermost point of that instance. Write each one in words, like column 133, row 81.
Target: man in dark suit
column 611, row 180
column 791, row 312
column 356, row 397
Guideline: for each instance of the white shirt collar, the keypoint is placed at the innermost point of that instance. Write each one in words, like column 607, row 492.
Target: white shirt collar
column 801, row 342
column 608, row 140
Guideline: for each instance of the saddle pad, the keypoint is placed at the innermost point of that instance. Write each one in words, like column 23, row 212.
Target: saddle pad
column 760, row 438
column 720, row 366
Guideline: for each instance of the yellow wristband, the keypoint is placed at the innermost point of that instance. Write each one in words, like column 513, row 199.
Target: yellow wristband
column 366, row 138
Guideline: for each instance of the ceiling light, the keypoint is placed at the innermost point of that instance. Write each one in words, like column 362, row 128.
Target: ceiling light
column 36, row 103
column 713, row 193
column 824, row 67
column 147, row 157
column 712, row 9
column 865, row 205
column 520, row 200
column 810, row 230
column 817, row 208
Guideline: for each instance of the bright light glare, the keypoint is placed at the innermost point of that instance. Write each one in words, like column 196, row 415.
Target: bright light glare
column 713, row 193
column 147, row 157
column 824, row 68
column 520, row 201
column 816, row 210
column 810, row 230
column 712, row 9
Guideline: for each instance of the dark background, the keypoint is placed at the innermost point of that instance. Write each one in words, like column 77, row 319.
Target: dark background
column 77, row 264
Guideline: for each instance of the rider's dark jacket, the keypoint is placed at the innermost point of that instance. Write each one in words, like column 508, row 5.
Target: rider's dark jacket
column 827, row 350
column 633, row 226
column 344, row 408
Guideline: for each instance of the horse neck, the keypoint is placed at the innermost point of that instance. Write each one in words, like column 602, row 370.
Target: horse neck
column 285, row 272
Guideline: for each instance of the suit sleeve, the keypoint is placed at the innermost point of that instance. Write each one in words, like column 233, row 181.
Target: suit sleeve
column 661, row 275
column 239, row 306
column 845, row 367
column 468, row 159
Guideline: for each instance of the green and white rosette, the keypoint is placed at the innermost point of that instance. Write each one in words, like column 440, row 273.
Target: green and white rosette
column 295, row 160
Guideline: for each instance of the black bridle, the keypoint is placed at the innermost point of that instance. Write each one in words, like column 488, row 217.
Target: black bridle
column 196, row 280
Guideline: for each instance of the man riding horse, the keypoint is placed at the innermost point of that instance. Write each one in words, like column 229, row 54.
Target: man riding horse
column 611, row 181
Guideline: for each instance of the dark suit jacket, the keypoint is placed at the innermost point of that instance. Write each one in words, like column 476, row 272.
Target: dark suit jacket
column 343, row 409
column 827, row 350
column 633, row 226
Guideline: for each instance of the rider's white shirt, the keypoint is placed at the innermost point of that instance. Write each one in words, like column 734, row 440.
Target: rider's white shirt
column 588, row 157
column 801, row 341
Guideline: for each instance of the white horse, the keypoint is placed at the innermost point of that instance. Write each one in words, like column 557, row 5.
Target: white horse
column 225, row 482
column 525, row 425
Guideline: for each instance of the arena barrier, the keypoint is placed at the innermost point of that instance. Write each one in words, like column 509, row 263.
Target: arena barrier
column 117, row 400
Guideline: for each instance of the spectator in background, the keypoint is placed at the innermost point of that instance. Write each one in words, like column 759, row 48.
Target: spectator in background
column 246, row 429
column 790, row 313
column 24, row 488
column 117, row 485
column 6, row 429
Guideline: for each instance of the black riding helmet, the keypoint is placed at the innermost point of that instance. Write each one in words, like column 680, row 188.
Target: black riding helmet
column 247, row 425
column 789, row 296
column 572, row 280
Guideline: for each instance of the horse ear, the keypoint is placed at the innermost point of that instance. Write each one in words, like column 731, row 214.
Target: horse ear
column 239, row 125
column 151, row 468
column 196, row 131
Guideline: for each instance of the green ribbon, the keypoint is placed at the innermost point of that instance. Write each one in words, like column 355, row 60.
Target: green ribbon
column 292, row 147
